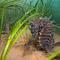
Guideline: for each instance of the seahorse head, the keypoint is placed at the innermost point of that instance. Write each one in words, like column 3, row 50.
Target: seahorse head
column 35, row 26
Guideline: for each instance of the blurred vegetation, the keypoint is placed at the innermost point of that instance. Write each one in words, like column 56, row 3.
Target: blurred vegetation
column 15, row 14
column 54, row 55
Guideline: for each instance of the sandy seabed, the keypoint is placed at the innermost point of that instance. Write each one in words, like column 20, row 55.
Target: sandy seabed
column 19, row 52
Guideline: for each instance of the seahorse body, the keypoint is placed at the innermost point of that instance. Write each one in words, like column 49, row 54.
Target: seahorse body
column 45, row 31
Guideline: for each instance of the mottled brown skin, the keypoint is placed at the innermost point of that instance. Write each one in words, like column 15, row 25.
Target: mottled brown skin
column 45, row 36
column 45, row 31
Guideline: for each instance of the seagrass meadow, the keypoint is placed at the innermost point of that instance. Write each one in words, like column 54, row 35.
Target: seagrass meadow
column 16, row 32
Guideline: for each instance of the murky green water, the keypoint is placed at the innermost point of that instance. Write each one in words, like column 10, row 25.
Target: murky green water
column 25, row 5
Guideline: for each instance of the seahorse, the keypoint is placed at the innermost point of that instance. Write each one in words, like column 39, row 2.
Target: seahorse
column 45, row 30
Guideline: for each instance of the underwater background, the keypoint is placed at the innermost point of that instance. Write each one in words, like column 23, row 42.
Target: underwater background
column 16, row 14
column 18, row 9
column 55, row 9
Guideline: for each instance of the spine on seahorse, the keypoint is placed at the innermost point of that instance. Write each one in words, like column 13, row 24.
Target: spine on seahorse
column 45, row 36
